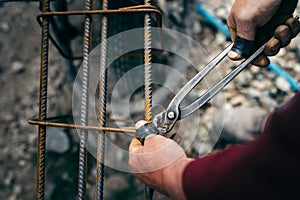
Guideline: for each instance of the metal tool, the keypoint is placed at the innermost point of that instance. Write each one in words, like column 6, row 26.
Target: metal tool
column 165, row 121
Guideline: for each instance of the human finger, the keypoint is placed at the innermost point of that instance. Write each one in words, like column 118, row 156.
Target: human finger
column 272, row 47
column 261, row 61
column 135, row 145
column 283, row 34
column 294, row 24
column 240, row 48
column 231, row 27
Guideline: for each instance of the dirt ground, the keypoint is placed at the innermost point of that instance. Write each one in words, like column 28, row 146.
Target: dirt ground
column 19, row 69
column 19, row 82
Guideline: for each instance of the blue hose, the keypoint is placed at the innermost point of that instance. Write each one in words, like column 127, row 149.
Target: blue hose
column 218, row 24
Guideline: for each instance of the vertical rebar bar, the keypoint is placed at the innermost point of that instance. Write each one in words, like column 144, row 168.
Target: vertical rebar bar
column 148, row 80
column 84, row 104
column 43, row 103
column 148, row 65
column 102, row 107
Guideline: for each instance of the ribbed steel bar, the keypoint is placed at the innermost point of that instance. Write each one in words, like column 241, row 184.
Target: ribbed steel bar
column 84, row 105
column 17, row 1
column 73, row 126
column 148, row 65
column 43, row 104
column 148, row 80
column 102, row 107
column 131, row 9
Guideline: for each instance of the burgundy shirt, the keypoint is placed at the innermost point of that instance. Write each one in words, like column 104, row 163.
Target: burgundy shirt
column 267, row 168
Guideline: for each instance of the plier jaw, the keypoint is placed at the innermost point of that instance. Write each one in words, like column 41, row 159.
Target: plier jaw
column 165, row 121
column 159, row 121
column 161, row 124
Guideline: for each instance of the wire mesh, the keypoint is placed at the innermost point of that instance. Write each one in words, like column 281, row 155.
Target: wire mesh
column 47, row 19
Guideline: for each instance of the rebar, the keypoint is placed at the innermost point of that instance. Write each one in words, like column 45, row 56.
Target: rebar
column 148, row 80
column 73, row 126
column 102, row 107
column 43, row 104
column 131, row 9
column 5, row 1
column 43, row 121
column 148, row 65
column 84, row 105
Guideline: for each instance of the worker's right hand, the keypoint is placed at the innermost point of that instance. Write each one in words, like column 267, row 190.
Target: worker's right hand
column 159, row 163
column 253, row 22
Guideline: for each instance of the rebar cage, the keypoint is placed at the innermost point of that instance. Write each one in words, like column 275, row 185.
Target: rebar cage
column 50, row 21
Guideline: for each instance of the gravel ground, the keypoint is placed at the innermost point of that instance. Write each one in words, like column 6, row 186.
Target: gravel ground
column 19, row 70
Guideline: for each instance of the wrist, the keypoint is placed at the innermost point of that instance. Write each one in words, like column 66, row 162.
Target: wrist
column 172, row 178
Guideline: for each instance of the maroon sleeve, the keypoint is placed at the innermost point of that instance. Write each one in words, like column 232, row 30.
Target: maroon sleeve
column 267, row 168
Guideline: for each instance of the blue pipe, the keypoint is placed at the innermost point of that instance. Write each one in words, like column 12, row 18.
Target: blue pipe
column 218, row 24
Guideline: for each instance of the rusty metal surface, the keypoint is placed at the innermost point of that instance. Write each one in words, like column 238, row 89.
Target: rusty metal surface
column 82, row 172
column 148, row 80
column 130, row 9
column 73, row 126
column 43, row 105
column 102, row 107
column 43, row 121
column 4, row 1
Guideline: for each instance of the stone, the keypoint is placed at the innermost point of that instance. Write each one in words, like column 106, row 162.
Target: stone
column 220, row 38
column 4, row 26
column 244, row 78
column 265, row 84
column 114, row 183
column 196, row 28
column 296, row 68
column 57, row 140
column 282, row 84
column 254, row 93
column 237, row 100
column 17, row 67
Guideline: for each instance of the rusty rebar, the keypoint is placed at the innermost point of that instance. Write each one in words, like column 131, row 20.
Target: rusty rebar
column 130, row 9
column 84, row 127
column 84, row 105
column 80, row 127
column 148, row 80
column 102, row 107
column 43, row 104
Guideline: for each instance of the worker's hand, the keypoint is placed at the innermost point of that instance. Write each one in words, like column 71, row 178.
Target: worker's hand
column 159, row 163
column 253, row 22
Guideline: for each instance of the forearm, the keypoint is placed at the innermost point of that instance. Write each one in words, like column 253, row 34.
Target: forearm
column 271, row 161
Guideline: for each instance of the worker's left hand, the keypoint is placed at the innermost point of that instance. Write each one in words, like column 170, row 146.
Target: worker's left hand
column 257, row 21
column 159, row 163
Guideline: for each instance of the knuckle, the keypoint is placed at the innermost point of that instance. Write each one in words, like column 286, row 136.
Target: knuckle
column 283, row 34
column 272, row 47
column 294, row 25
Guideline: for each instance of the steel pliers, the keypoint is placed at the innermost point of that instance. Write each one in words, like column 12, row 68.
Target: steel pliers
column 163, row 122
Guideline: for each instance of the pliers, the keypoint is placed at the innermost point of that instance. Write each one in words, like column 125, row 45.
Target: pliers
column 163, row 122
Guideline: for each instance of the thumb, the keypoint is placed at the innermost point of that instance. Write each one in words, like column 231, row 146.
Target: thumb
column 242, row 34
column 135, row 145
column 241, row 48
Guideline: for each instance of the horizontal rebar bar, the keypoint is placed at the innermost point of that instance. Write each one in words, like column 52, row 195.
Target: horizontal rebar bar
column 74, row 126
column 5, row 1
column 131, row 9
